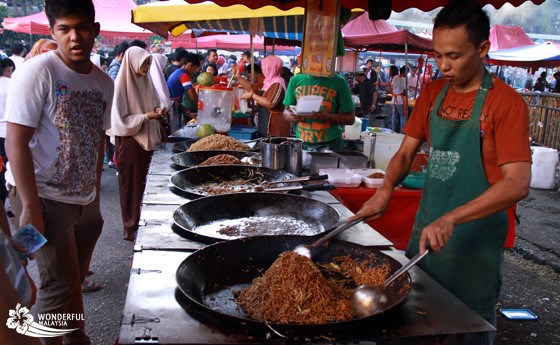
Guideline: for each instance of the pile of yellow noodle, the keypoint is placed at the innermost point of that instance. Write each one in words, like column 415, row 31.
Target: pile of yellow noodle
column 218, row 142
column 293, row 290
column 221, row 160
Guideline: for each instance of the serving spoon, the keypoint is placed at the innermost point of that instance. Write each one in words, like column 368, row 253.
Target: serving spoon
column 368, row 299
column 306, row 250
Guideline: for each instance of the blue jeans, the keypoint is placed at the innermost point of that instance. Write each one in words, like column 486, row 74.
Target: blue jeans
column 398, row 119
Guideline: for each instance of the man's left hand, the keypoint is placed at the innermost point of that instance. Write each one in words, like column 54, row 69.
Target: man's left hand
column 436, row 234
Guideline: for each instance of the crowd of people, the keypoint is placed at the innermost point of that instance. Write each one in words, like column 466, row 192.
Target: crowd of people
column 82, row 110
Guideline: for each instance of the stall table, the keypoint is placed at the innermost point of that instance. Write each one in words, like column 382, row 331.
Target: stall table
column 397, row 221
column 157, row 312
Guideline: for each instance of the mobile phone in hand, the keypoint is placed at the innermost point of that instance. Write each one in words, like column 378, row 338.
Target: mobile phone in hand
column 30, row 238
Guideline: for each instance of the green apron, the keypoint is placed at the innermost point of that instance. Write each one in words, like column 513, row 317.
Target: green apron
column 469, row 265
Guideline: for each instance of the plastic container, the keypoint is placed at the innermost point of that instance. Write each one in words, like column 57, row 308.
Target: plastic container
column 386, row 145
column 371, row 182
column 414, row 180
column 242, row 133
column 215, row 106
column 353, row 132
column 543, row 169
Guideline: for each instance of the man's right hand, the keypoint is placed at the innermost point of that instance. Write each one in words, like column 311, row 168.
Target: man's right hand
column 375, row 206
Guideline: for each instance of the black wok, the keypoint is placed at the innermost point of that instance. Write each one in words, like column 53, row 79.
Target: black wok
column 267, row 214
column 187, row 180
column 190, row 159
column 210, row 277
column 183, row 145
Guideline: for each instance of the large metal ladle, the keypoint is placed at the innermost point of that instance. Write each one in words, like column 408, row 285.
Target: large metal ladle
column 306, row 250
column 368, row 299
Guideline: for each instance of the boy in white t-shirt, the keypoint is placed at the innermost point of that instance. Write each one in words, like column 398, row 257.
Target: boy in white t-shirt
column 58, row 109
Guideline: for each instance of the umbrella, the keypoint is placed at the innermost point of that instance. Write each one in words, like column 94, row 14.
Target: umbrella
column 505, row 37
column 529, row 56
column 108, row 13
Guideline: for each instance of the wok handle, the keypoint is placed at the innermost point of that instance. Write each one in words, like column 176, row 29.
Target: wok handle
column 317, row 186
column 299, row 179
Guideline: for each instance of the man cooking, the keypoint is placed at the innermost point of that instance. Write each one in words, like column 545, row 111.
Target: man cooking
column 480, row 163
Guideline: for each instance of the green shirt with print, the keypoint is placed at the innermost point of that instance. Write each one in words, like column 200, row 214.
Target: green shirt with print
column 337, row 98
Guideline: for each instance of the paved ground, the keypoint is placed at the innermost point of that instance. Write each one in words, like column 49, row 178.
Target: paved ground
column 536, row 258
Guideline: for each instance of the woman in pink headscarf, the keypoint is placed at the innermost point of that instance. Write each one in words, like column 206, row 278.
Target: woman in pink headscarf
column 270, row 121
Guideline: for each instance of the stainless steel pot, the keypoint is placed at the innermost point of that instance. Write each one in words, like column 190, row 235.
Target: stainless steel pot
column 282, row 153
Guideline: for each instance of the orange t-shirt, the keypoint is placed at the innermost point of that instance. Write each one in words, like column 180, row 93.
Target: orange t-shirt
column 504, row 122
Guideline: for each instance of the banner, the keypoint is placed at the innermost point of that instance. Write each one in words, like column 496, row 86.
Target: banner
column 320, row 37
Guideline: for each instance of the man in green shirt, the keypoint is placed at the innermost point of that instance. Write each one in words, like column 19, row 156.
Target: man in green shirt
column 323, row 129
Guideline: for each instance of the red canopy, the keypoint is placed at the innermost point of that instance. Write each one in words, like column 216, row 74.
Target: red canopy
column 398, row 5
column 505, row 37
column 113, row 15
column 362, row 33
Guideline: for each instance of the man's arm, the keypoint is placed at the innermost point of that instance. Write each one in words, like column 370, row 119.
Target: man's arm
column 100, row 157
column 397, row 170
column 513, row 187
column 23, row 170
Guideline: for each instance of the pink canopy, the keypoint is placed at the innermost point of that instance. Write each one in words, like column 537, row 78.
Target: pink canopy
column 113, row 15
column 505, row 37
column 363, row 25
column 364, row 34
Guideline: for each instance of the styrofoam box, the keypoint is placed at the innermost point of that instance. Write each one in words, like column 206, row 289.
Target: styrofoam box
column 343, row 178
column 367, row 181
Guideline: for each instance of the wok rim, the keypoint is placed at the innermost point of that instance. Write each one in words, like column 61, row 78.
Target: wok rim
column 291, row 327
column 296, row 198
column 192, row 195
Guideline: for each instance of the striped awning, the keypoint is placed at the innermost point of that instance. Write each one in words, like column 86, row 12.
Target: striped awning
column 284, row 27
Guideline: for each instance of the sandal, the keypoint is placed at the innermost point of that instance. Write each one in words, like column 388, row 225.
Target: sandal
column 90, row 286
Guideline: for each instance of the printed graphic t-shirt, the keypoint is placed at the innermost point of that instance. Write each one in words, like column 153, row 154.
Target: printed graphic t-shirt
column 69, row 111
column 504, row 129
column 337, row 98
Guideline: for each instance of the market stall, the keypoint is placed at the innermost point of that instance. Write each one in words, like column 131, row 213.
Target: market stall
column 157, row 311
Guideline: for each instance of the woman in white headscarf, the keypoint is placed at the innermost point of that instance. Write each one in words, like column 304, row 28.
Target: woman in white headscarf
column 157, row 73
column 135, row 123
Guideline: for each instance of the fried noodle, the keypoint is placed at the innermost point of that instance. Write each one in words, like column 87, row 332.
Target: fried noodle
column 221, row 159
column 218, row 142
column 294, row 290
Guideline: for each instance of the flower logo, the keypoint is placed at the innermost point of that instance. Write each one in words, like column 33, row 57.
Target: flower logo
column 19, row 319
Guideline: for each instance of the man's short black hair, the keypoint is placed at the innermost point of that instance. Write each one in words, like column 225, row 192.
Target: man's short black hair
column 211, row 50
column 139, row 43
column 62, row 8
column 121, row 48
column 247, row 53
column 258, row 69
column 17, row 48
column 194, row 59
column 179, row 54
column 369, row 60
column 465, row 12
